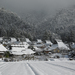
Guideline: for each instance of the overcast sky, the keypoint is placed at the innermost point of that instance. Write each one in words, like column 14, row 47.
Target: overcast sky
column 22, row 5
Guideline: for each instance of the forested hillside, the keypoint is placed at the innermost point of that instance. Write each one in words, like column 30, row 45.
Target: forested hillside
column 39, row 25
column 12, row 25
column 63, row 24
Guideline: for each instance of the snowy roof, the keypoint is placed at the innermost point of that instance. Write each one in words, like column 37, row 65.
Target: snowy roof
column 13, row 40
column 39, row 45
column 15, row 49
column 48, row 42
column 17, row 53
column 28, row 51
column 17, row 45
column 39, row 40
column 62, row 45
column 27, row 40
column 21, row 51
column 37, row 49
column 2, row 48
column 54, row 46
column 58, row 40
column 24, row 44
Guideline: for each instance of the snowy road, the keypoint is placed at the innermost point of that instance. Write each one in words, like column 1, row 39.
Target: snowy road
column 38, row 68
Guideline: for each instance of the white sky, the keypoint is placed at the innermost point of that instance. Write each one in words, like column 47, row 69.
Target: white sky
column 21, row 5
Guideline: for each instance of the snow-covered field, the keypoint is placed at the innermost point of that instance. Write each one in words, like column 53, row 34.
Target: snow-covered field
column 38, row 68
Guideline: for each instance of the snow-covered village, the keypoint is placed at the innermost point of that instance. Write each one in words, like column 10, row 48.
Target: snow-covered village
column 37, row 37
column 12, row 49
column 27, row 57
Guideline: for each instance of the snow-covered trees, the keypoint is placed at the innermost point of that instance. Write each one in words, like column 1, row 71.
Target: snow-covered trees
column 35, row 24
column 11, row 25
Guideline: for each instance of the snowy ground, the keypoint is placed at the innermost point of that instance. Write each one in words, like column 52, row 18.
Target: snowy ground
column 38, row 68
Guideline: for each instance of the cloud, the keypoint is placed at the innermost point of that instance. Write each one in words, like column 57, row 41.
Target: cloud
column 21, row 5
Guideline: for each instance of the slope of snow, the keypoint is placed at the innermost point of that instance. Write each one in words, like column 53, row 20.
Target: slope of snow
column 53, row 47
column 13, row 40
column 27, row 40
column 49, row 42
column 62, row 45
column 15, row 49
column 17, row 53
column 21, row 51
column 2, row 48
column 28, row 51
column 38, row 68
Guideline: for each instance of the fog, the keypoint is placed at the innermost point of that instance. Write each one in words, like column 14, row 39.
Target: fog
column 20, row 6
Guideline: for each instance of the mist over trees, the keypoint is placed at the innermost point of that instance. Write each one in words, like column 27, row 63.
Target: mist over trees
column 12, row 25
column 63, row 24
column 38, row 25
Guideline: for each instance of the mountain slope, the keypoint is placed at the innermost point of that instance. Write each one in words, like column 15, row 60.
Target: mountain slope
column 12, row 25
column 63, row 23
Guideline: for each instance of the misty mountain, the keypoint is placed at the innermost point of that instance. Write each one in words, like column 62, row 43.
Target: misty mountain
column 63, row 24
column 37, row 24
column 12, row 25
column 34, row 17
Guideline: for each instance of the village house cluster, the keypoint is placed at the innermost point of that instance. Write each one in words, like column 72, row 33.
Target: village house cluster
column 24, row 49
